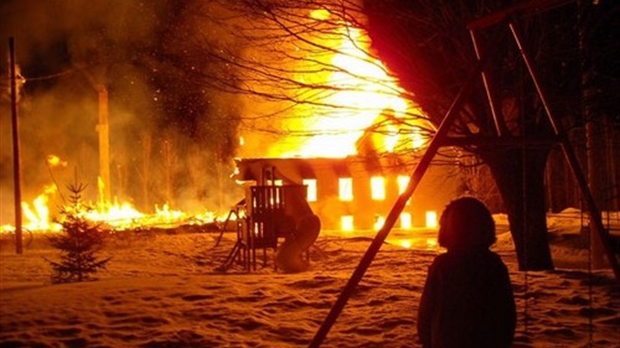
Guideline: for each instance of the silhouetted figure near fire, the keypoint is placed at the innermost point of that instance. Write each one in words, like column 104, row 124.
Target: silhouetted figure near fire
column 467, row 299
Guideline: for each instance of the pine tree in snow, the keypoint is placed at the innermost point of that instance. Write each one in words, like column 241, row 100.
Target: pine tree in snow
column 79, row 242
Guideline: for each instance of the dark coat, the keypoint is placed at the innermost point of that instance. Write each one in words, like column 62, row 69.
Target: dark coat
column 467, row 302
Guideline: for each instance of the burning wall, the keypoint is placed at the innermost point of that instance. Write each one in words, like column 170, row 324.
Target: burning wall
column 352, row 139
column 346, row 195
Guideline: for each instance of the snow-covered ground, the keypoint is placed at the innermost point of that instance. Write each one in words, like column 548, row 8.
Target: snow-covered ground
column 163, row 290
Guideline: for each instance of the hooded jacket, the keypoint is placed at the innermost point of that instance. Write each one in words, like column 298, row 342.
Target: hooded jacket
column 467, row 301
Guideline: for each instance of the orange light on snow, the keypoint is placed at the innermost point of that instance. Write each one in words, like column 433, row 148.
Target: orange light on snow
column 431, row 243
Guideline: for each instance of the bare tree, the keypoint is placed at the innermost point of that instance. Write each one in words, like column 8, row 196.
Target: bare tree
column 435, row 46
column 298, row 61
column 426, row 44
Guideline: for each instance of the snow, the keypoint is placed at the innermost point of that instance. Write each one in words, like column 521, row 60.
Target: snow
column 163, row 290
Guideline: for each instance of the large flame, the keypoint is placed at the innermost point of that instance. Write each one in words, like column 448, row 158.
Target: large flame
column 112, row 215
column 38, row 214
column 362, row 90
column 359, row 96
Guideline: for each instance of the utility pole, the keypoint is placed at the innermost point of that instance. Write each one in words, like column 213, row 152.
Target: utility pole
column 103, row 128
column 19, row 248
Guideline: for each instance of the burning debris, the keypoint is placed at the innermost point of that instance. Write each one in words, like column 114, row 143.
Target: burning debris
column 116, row 216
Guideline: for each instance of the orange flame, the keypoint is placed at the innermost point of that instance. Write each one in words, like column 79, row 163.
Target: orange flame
column 361, row 90
column 55, row 161
column 38, row 214
column 114, row 215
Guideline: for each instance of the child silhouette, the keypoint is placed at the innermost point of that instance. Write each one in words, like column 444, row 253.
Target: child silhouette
column 467, row 299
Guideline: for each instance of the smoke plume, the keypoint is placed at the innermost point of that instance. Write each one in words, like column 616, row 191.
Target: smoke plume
column 170, row 135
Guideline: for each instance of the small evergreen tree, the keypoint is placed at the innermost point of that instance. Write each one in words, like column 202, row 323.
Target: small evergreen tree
column 79, row 242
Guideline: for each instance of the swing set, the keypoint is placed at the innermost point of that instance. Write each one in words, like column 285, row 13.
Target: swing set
column 504, row 18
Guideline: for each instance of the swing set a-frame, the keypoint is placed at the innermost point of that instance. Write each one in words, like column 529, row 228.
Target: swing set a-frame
column 506, row 19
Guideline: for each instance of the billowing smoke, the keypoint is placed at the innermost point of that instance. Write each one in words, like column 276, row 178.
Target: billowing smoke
column 171, row 136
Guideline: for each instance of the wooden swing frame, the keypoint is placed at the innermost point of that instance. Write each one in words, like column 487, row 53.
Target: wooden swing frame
column 441, row 138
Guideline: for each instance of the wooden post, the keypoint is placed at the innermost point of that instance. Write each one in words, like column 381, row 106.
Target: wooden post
column 612, row 158
column 19, row 249
column 594, row 150
column 103, row 128
column 601, row 235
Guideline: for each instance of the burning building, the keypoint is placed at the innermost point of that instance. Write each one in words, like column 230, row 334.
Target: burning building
column 354, row 193
column 355, row 149
column 294, row 198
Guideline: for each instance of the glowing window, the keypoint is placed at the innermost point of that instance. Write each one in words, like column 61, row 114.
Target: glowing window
column 278, row 182
column 377, row 188
column 311, row 185
column 403, row 181
column 345, row 189
column 379, row 222
column 431, row 219
column 405, row 221
column 346, row 223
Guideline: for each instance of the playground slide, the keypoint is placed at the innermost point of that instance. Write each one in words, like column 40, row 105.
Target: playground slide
column 289, row 256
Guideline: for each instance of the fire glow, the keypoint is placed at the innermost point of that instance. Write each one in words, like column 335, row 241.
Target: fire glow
column 363, row 97
column 115, row 215
column 38, row 214
column 364, row 103
column 359, row 92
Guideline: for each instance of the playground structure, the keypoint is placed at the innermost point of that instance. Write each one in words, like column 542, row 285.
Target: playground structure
column 273, row 219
